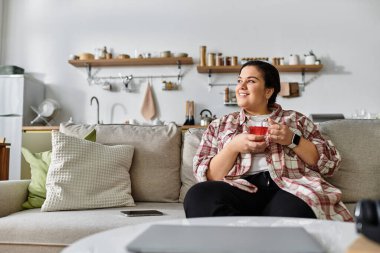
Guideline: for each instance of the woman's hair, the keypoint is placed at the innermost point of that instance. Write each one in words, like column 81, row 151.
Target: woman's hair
column 270, row 74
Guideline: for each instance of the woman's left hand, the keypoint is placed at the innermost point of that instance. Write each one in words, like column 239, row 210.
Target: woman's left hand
column 279, row 133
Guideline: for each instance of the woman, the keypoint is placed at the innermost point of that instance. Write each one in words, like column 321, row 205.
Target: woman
column 277, row 174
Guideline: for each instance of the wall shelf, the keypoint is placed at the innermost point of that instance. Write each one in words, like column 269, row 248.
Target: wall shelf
column 235, row 69
column 88, row 64
column 280, row 68
column 132, row 62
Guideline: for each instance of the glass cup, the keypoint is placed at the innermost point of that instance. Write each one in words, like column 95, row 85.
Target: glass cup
column 258, row 128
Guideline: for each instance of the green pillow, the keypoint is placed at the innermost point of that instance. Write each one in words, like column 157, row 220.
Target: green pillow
column 39, row 165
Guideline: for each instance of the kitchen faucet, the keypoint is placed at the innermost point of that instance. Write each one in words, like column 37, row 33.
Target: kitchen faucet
column 97, row 103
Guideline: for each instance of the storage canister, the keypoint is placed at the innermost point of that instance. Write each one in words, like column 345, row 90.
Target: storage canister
column 211, row 59
column 234, row 61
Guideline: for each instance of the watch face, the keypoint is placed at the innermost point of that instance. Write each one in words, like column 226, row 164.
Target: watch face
column 296, row 139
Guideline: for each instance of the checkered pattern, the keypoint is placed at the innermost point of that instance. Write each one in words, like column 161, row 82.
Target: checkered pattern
column 87, row 175
column 286, row 169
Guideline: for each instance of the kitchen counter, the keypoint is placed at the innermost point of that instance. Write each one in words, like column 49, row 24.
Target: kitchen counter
column 39, row 128
column 51, row 128
column 185, row 127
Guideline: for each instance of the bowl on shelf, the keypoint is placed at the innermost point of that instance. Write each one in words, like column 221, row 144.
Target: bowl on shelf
column 86, row 56
column 165, row 54
column 181, row 55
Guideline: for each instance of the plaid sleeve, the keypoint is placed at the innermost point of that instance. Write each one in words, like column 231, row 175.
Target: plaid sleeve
column 329, row 157
column 207, row 149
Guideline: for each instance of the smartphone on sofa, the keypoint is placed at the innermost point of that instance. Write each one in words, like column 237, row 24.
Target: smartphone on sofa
column 135, row 213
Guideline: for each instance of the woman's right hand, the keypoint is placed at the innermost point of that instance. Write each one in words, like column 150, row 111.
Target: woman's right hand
column 248, row 143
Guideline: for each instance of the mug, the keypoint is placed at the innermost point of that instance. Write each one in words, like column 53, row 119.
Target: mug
column 310, row 59
column 294, row 59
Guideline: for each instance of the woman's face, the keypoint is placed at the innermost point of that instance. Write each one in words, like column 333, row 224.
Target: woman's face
column 251, row 93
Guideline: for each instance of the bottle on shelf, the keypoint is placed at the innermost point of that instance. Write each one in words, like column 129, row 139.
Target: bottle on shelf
column 202, row 56
column 226, row 95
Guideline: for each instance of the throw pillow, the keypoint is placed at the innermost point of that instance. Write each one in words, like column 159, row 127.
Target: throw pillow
column 76, row 130
column 191, row 140
column 39, row 165
column 87, row 175
column 156, row 161
column 357, row 142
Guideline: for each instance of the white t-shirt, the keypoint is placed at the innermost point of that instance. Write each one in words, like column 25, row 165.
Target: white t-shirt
column 259, row 163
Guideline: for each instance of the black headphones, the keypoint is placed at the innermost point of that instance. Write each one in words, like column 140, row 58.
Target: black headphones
column 367, row 219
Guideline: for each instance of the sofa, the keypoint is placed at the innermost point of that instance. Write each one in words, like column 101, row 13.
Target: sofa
column 160, row 175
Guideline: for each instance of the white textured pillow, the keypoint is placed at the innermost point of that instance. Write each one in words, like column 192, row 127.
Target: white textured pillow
column 87, row 175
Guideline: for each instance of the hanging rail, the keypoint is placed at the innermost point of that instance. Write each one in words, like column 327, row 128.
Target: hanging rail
column 92, row 78
column 217, row 84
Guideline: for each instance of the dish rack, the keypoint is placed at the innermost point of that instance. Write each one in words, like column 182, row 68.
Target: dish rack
column 45, row 112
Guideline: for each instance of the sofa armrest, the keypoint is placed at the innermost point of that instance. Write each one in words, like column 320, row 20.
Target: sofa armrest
column 13, row 194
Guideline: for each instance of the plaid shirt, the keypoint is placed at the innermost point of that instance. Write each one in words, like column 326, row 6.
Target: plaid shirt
column 286, row 169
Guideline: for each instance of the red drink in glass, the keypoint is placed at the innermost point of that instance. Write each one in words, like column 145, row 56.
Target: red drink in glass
column 258, row 130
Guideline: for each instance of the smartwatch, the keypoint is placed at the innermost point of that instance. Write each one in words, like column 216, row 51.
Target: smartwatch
column 295, row 141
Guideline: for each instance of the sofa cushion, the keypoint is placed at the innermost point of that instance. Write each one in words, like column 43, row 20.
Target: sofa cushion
column 85, row 175
column 39, row 165
column 52, row 229
column 191, row 140
column 76, row 130
column 156, row 160
column 357, row 142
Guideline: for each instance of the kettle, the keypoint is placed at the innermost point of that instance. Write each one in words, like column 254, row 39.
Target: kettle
column 310, row 58
column 205, row 119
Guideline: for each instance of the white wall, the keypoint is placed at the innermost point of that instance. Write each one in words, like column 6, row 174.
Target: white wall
column 41, row 34
column 1, row 29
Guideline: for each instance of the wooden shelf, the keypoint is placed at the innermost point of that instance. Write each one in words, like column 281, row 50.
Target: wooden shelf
column 281, row 68
column 218, row 69
column 133, row 62
column 299, row 68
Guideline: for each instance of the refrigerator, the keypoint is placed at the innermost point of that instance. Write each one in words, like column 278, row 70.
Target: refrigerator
column 17, row 94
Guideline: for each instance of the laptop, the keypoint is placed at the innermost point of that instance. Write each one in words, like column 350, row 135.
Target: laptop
column 224, row 239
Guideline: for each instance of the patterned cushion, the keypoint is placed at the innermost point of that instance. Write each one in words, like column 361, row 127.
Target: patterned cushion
column 87, row 175
column 191, row 140
column 39, row 165
column 156, row 160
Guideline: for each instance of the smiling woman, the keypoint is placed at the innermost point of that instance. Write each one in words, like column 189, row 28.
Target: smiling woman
column 274, row 173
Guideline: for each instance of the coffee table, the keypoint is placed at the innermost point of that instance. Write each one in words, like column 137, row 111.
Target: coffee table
column 333, row 235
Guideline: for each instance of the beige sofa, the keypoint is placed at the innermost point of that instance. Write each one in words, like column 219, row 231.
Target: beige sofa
column 161, row 174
